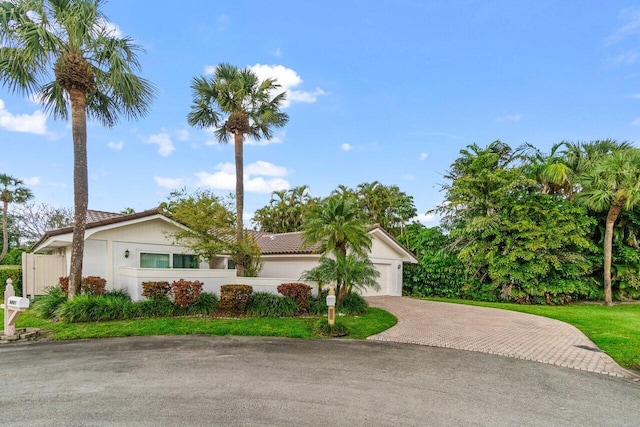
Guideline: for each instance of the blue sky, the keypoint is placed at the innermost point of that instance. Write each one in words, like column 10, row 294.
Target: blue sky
column 378, row 90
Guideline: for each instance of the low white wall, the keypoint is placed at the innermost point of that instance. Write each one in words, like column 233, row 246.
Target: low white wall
column 131, row 279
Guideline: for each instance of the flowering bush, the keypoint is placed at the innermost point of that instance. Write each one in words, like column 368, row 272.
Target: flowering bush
column 299, row 292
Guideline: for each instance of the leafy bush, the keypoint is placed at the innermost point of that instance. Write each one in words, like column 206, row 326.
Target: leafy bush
column 156, row 290
column 266, row 304
column 352, row 305
column 13, row 257
column 153, row 308
column 13, row 272
column 235, row 298
column 93, row 285
column 118, row 293
column 45, row 306
column 318, row 305
column 300, row 292
column 92, row 308
column 322, row 327
column 207, row 304
column 185, row 292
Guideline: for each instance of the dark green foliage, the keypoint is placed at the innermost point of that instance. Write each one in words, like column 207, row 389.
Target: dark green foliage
column 439, row 272
column 207, row 304
column 13, row 272
column 322, row 327
column 318, row 305
column 45, row 306
column 352, row 305
column 266, row 304
column 90, row 308
column 299, row 292
column 118, row 293
column 235, row 298
column 154, row 308
column 13, row 257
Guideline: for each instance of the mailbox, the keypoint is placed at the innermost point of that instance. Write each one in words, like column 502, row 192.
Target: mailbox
column 331, row 300
column 17, row 302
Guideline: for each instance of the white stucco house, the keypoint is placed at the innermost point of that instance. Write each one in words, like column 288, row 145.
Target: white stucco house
column 128, row 249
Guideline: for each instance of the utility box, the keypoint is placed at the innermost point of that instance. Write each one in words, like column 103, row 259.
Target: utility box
column 17, row 302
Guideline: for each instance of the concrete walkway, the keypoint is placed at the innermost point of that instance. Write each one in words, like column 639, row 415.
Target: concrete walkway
column 494, row 331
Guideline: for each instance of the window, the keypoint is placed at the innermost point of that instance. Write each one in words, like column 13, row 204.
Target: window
column 185, row 261
column 154, row 260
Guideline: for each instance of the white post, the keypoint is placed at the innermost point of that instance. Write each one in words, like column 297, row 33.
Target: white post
column 331, row 305
column 9, row 328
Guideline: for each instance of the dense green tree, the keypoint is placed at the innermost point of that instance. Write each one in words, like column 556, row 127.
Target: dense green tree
column 348, row 272
column 12, row 190
column 612, row 186
column 237, row 104
column 286, row 210
column 386, row 206
column 64, row 53
column 336, row 224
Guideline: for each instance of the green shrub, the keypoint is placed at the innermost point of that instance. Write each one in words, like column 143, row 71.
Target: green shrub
column 352, row 305
column 13, row 257
column 300, row 292
column 185, row 292
column 234, row 298
column 266, row 304
column 13, row 272
column 118, row 293
column 153, row 308
column 207, row 304
column 156, row 290
column 318, row 305
column 93, row 308
column 45, row 306
column 322, row 327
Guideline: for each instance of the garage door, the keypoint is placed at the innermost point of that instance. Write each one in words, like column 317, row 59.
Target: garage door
column 385, row 281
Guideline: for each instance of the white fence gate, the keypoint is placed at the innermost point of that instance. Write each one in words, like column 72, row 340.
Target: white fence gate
column 40, row 272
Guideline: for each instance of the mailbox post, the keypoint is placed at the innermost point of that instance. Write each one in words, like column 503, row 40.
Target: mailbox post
column 331, row 305
column 12, row 306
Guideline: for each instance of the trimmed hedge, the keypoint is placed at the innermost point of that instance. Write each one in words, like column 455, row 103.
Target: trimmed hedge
column 13, row 272
column 94, row 285
column 186, row 292
column 156, row 290
column 299, row 292
column 235, row 298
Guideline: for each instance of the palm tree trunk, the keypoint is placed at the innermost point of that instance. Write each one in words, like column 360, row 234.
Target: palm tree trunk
column 80, row 187
column 239, row 158
column 5, row 232
column 612, row 216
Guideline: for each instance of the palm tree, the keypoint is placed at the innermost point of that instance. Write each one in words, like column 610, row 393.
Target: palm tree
column 336, row 223
column 613, row 185
column 64, row 53
column 236, row 103
column 12, row 191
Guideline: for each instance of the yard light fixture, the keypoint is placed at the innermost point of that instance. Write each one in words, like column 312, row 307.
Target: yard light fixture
column 331, row 305
column 126, row 253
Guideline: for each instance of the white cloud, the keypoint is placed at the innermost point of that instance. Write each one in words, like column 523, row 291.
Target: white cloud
column 627, row 58
column 636, row 122
column 223, row 22
column 288, row 79
column 35, row 123
column 634, row 96
column 510, row 118
column 225, row 177
column 266, row 169
column 423, row 156
column 110, row 28
column 346, row 147
column 277, row 53
column 115, row 145
column 164, row 143
column 631, row 18
column 35, row 180
column 182, row 134
column 425, row 218
column 170, row 183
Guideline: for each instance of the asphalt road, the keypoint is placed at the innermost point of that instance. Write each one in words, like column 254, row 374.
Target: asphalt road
column 202, row 380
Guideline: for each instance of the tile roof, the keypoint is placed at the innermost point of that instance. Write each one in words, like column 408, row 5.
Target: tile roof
column 99, row 216
column 282, row 243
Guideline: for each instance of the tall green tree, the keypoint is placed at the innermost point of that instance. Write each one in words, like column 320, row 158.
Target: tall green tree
column 286, row 210
column 337, row 225
column 612, row 186
column 237, row 104
column 12, row 190
column 349, row 272
column 65, row 53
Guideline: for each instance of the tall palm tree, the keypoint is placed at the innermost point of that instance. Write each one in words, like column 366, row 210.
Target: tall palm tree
column 613, row 185
column 65, row 53
column 336, row 223
column 12, row 191
column 237, row 104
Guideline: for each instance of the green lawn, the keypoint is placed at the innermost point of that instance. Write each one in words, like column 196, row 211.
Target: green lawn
column 360, row 327
column 616, row 330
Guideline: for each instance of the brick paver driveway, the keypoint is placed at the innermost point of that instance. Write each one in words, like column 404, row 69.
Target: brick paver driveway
column 489, row 330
